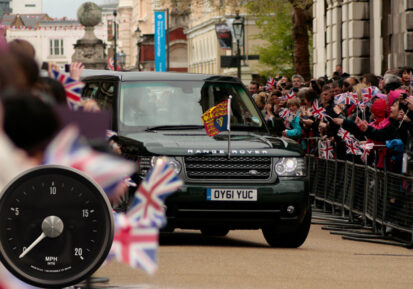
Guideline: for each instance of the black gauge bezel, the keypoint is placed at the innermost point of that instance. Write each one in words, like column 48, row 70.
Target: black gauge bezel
column 101, row 254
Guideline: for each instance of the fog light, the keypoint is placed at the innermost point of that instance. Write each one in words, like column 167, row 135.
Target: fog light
column 290, row 210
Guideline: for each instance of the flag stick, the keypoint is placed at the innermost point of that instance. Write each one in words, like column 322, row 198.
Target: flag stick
column 229, row 126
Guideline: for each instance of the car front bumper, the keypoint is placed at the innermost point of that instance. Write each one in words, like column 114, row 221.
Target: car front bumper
column 189, row 208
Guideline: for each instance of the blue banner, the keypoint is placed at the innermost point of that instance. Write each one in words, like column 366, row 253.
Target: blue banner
column 160, row 41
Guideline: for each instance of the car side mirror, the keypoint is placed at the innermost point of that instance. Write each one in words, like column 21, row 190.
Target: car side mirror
column 276, row 125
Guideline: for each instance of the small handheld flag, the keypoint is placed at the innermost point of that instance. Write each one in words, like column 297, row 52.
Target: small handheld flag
column 326, row 149
column 147, row 206
column 72, row 87
column 136, row 233
column 365, row 151
column 68, row 148
column 270, row 83
column 318, row 111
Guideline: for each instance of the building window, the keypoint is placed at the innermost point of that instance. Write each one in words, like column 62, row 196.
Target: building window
column 56, row 47
column 30, row 5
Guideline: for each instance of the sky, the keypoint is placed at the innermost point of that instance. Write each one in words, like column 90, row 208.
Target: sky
column 68, row 8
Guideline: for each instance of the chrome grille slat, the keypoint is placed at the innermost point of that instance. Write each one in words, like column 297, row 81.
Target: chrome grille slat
column 206, row 167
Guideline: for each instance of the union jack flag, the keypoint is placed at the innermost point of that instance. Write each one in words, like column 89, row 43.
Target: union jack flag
column 68, row 148
column 72, row 87
column 365, row 150
column 327, row 149
column 291, row 95
column 346, row 98
column 284, row 113
column 369, row 92
column 136, row 246
column 318, row 111
column 353, row 147
column 270, row 83
column 147, row 206
column 345, row 135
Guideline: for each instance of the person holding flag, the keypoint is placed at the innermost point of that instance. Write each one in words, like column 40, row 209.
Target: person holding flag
column 292, row 122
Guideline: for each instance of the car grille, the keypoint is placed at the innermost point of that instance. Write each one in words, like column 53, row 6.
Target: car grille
column 222, row 168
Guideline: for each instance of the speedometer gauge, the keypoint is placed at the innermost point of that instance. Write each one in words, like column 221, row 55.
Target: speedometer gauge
column 56, row 226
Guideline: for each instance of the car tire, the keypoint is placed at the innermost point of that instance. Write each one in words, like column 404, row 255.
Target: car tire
column 293, row 239
column 214, row 232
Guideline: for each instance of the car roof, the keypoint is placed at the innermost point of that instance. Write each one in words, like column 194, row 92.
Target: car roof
column 150, row 75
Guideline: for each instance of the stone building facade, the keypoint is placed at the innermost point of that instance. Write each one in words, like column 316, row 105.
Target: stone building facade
column 364, row 36
column 136, row 34
column 53, row 39
column 204, row 51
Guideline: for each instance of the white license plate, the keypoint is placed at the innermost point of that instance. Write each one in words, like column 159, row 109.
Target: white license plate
column 231, row 195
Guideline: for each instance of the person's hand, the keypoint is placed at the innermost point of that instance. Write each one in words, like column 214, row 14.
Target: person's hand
column 268, row 108
column 363, row 125
column 358, row 121
column 337, row 109
column 115, row 147
column 406, row 118
column 76, row 69
column 338, row 121
column 53, row 66
column 401, row 115
column 284, row 133
column 90, row 105
column 308, row 122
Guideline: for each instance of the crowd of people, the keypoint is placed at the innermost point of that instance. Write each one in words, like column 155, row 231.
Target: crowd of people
column 366, row 120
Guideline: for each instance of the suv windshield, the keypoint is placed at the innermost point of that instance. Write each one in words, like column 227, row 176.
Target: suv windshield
column 181, row 103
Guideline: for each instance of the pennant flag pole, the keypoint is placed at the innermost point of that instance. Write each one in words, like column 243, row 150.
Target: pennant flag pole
column 229, row 126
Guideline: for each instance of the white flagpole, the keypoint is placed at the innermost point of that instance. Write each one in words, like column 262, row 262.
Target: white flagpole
column 229, row 126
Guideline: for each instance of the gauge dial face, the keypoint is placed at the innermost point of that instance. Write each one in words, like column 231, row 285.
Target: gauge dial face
column 56, row 226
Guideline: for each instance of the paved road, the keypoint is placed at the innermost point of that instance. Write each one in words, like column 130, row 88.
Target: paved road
column 243, row 260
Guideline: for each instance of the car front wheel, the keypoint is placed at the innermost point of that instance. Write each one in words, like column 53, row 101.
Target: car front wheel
column 291, row 239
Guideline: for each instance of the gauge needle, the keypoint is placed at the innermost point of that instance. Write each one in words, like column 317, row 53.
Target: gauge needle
column 37, row 241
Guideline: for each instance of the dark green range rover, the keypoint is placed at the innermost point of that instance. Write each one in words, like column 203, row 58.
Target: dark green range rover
column 258, row 182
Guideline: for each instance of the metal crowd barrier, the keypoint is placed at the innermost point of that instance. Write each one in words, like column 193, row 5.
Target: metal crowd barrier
column 379, row 201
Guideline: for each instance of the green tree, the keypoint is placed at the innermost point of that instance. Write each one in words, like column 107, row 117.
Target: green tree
column 276, row 30
column 285, row 26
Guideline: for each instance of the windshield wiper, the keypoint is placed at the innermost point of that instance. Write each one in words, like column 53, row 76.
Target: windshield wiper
column 173, row 127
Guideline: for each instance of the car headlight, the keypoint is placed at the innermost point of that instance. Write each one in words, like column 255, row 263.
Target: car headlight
column 290, row 167
column 173, row 163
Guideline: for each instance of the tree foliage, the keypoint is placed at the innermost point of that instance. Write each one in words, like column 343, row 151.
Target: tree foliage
column 274, row 20
column 284, row 25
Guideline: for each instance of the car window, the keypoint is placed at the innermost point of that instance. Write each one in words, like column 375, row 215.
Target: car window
column 157, row 103
column 103, row 92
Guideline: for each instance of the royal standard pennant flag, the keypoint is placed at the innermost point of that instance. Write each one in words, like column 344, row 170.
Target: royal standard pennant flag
column 216, row 119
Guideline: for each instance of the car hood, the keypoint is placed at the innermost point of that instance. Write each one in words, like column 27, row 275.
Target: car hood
column 182, row 143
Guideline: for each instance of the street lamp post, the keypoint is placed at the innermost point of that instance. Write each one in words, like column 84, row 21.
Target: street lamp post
column 115, row 62
column 238, row 27
column 138, row 58
column 122, row 59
